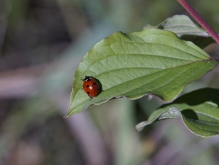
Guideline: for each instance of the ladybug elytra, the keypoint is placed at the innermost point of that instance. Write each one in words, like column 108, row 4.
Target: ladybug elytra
column 91, row 86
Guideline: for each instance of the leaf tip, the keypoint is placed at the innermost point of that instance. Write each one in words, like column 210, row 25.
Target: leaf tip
column 139, row 127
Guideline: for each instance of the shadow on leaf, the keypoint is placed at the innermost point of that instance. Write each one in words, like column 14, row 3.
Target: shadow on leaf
column 189, row 113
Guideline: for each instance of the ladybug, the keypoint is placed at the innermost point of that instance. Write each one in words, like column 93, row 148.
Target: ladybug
column 91, row 86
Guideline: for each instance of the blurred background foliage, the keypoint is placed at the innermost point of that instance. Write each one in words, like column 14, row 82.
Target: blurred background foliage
column 41, row 45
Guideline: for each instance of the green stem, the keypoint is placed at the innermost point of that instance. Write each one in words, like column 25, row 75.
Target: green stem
column 199, row 19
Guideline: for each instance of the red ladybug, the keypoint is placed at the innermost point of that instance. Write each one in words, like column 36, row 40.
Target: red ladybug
column 91, row 86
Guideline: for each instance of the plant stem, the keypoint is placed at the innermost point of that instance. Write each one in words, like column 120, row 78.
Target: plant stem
column 199, row 19
column 215, row 59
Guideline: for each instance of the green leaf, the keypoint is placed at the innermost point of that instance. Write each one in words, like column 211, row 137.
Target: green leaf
column 186, row 29
column 134, row 64
column 182, row 25
column 198, row 109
